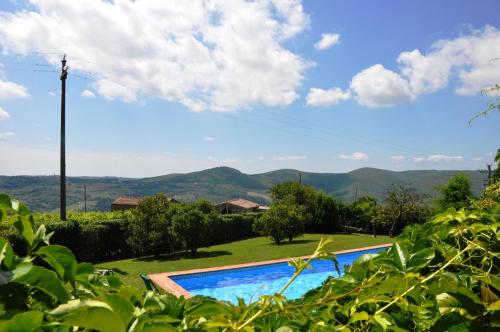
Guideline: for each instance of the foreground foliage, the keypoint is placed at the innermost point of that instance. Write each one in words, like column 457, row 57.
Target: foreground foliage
column 442, row 275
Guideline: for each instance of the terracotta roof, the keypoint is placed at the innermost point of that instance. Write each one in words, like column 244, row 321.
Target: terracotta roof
column 127, row 200
column 246, row 204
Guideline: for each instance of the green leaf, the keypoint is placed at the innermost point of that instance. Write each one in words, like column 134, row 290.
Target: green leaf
column 452, row 322
column 363, row 315
column 89, row 314
column 61, row 259
column 45, row 280
column 6, row 254
column 23, row 210
column 383, row 320
column 399, row 256
column 459, row 299
column 23, row 225
column 121, row 306
column 421, row 259
column 26, row 321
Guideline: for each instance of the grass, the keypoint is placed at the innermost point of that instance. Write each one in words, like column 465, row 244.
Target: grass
column 245, row 251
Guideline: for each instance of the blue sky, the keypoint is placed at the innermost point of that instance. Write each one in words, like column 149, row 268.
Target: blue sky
column 325, row 86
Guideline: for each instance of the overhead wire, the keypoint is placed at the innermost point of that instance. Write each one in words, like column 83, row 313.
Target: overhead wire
column 333, row 135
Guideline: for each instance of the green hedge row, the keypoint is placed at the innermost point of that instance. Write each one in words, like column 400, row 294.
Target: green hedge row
column 103, row 236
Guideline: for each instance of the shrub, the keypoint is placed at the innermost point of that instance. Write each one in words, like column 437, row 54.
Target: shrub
column 456, row 193
column 284, row 220
column 191, row 226
column 150, row 228
column 233, row 227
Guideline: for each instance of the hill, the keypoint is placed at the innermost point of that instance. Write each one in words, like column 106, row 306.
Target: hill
column 221, row 183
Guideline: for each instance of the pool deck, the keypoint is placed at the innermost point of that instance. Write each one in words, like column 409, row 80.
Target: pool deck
column 164, row 281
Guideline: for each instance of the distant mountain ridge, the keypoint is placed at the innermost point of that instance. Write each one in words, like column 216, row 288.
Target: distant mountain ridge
column 41, row 193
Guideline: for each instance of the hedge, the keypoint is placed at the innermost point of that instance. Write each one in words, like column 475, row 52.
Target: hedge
column 101, row 236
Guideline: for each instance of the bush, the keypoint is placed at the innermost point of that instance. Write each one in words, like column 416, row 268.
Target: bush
column 192, row 227
column 234, row 227
column 150, row 227
column 284, row 220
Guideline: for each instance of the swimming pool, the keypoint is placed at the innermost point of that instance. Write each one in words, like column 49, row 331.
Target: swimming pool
column 251, row 282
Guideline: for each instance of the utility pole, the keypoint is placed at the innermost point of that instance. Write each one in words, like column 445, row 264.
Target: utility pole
column 64, row 74
column 85, row 198
column 300, row 178
column 488, row 181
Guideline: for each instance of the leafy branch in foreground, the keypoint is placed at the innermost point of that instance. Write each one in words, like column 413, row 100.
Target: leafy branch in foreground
column 438, row 276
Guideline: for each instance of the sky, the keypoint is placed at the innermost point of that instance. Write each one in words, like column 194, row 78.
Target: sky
column 158, row 87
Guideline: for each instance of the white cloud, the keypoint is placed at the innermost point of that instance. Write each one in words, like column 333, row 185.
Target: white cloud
column 441, row 157
column 355, row 156
column 320, row 97
column 6, row 134
column 87, row 94
column 11, row 90
column 111, row 91
column 477, row 158
column 327, row 40
column 398, row 158
column 469, row 55
column 379, row 87
column 438, row 158
column 289, row 158
column 217, row 55
column 208, row 139
column 3, row 114
column 52, row 94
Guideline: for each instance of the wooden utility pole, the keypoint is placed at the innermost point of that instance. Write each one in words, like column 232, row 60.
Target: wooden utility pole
column 85, row 198
column 64, row 74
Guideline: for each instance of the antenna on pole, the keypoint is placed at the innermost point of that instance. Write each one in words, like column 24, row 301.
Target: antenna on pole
column 64, row 75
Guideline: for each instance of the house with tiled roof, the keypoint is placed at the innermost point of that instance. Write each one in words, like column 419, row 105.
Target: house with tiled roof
column 239, row 205
column 125, row 203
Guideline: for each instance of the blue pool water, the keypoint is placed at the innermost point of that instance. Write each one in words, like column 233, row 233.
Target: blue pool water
column 251, row 282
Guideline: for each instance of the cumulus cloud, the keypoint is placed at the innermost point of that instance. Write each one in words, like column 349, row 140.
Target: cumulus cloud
column 438, row 158
column 327, row 40
column 379, row 87
column 87, row 94
column 320, row 97
column 398, row 158
column 289, row 158
column 468, row 58
column 3, row 114
column 469, row 55
column 355, row 156
column 11, row 90
column 216, row 55
column 208, row 138
column 6, row 134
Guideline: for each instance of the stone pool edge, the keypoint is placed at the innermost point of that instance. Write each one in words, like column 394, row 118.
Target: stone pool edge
column 164, row 281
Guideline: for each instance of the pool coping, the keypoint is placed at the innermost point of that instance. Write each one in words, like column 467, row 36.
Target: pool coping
column 164, row 281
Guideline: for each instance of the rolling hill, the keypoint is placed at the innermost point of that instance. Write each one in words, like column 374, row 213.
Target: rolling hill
column 221, row 183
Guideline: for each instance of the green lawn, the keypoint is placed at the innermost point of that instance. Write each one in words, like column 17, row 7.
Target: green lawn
column 252, row 250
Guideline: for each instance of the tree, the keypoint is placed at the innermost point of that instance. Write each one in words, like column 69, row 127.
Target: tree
column 149, row 227
column 403, row 206
column 363, row 211
column 283, row 220
column 456, row 193
column 191, row 226
column 299, row 194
